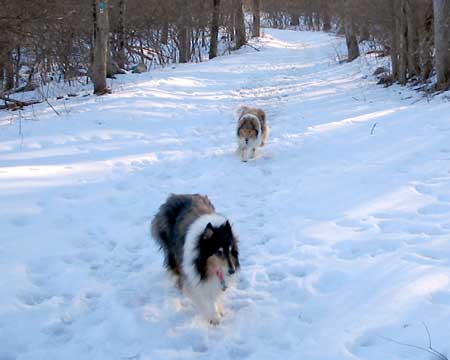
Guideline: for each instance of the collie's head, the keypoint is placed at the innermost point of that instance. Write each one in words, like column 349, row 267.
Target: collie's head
column 216, row 252
column 249, row 128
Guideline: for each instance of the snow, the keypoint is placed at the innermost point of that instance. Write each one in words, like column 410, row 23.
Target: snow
column 343, row 218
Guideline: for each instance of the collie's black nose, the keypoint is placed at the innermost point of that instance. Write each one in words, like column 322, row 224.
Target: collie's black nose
column 231, row 271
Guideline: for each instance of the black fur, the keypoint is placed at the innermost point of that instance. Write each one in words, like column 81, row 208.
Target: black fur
column 243, row 124
column 210, row 243
column 171, row 224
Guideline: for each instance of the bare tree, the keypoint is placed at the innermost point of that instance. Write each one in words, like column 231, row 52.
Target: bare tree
column 402, row 41
column 9, row 72
column 441, row 9
column 350, row 35
column 256, row 30
column 426, row 41
column 239, row 23
column 165, row 31
column 184, row 34
column 214, row 29
column 121, row 53
column 100, row 53
column 413, row 37
column 326, row 16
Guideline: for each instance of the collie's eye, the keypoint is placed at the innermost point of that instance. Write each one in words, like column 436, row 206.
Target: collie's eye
column 219, row 252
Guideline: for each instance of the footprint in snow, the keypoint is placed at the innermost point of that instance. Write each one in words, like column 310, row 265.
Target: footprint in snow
column 420, row 259
column 424, row 189
column 393, row 215
column 331, row 281
column 354, row 224
column 409, row 227
column 352, row 249
column 435, row 209
column 63, row 220
column 444, row 198
column 416, row 239
column 239, row 352
column 441, row 298
column 20, row 221
column 74, row 195
column 34, row 298
column 58, row 331
column 276, row 276
column 122, row 186
column 301, row 271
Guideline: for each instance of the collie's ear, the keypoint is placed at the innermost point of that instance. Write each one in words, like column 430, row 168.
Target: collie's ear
column 228, row 226
column 239, row 112
column 209, row 231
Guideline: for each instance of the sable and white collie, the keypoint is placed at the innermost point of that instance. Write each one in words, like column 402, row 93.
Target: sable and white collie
column 252, row 131
column 200, row 249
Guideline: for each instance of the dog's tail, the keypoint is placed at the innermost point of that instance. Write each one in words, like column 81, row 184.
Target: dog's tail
column 162, row 224
column 162, row 232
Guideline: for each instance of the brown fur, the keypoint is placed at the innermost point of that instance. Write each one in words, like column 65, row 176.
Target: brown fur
column 248, row 128
column 261, row 115
column 215, row 262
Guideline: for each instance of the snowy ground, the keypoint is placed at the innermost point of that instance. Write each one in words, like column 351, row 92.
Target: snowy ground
column 344, row 234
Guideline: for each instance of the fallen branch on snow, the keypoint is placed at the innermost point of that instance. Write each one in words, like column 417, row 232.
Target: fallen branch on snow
column 13, row 104
column 253, row 47
column 429, row 350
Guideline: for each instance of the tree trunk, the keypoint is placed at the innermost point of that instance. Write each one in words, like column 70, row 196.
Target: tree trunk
column 441, row 10
column 121, row 54
column 350, row 36
column 316, row 19
column 326, row 18
column 9, row 73
column 402, row 44
column 165, row 32
column 17, row 66
column 295, row 18
column 231, row 28
column 364, row 33
column 309, row 21
column 101, row 33
column 394, row 41
column 185, row 44
column 214, row 29
column 413, row 20
column 256, row 31
column 426, row 43
column 184, row 34
column 241, row 39
column 2, row 69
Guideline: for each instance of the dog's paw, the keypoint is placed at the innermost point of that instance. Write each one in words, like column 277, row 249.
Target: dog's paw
column 214, row 317
column 214, row 321
column 220, row 310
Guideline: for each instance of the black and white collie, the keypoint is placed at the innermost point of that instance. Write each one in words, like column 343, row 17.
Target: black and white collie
column 200, row 249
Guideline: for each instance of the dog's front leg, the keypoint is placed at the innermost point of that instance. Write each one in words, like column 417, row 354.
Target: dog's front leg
column 245, row 154
column 211, row 312
column 240, row 151
column 220, row 308
column 206, row 306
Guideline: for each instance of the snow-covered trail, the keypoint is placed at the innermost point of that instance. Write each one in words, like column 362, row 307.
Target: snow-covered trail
column 343, row 219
